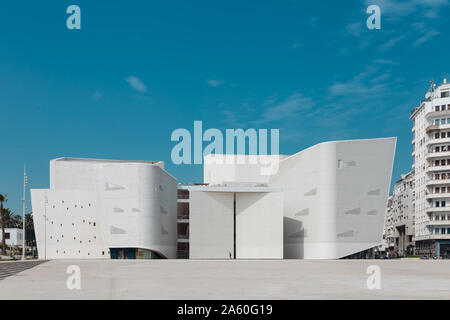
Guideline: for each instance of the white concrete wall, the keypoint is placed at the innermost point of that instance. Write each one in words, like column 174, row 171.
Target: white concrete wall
column 138, row 205
column 259, row 225
column 67, row 224
column 211, row 225
column 133, row 204
column 220, row 169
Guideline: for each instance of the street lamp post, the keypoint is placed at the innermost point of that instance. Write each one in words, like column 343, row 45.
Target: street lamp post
column 25, row 183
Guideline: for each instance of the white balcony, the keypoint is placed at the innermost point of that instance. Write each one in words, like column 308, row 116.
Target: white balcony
column 443, row 223
column 432, row 237
column 437, row 168
column 437, row 141
column 437, row 209
column 440, row 114
column 438, row 195
column 437, row 182
column 433, row 155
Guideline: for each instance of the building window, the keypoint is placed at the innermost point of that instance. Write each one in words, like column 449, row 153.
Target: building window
column 436, row 122
column 7, row 235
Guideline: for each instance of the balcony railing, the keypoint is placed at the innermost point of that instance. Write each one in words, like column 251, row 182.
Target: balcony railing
column 438, row 209
column 437, row 182
column 439, row 223
column 440, row 154
column 434, row 168
column 438, row 195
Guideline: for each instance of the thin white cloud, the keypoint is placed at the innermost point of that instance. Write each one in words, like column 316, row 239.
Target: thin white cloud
column 289, row 109
column 354, row 29
column 391, row 43
column 214, row 82
column 425, row 37
column 380, row 78
column 136, row 84
column 385, row 61
column 395, row 9
column 366, row 82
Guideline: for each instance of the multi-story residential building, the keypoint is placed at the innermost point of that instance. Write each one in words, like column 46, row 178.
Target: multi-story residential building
column 431, row 169
column 400, row 217
column 389, row 234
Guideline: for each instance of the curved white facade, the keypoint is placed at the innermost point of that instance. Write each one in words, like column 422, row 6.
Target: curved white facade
column 335, row 195
column 95, row 205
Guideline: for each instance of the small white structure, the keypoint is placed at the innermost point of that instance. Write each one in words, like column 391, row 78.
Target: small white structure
column 13, row 236
column 106, row 208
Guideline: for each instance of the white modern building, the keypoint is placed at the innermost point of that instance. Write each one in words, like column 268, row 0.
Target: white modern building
column 334, row 194
column 431, row 168
column 325, row 202
column 106, row 208
column 13, row 236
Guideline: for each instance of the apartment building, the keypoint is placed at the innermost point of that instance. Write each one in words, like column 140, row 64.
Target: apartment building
column 399, row 224
column 403, row 215
column 431, row 170
column 389, row 235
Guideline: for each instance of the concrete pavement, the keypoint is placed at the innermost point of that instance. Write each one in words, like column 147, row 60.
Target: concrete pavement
column 231, row 279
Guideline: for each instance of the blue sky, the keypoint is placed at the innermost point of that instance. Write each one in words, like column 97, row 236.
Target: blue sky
column 137, row 70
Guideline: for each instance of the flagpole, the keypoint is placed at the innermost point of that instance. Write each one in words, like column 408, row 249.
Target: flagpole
column 25, row 182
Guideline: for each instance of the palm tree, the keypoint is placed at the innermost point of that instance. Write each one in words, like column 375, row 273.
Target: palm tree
column 16, row 221
column 29, row 229
column 3, row 199
column 9, row 218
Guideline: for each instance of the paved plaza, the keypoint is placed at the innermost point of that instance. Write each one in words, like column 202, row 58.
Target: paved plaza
column 231, row 279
